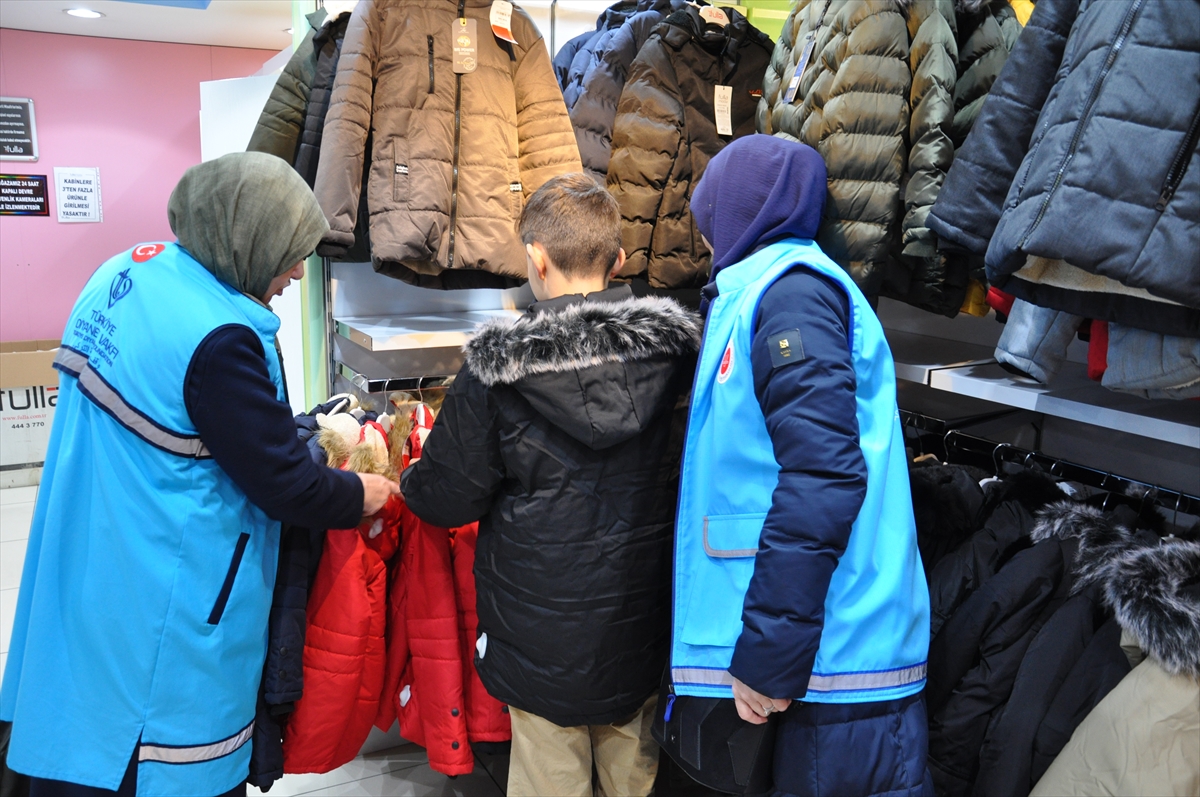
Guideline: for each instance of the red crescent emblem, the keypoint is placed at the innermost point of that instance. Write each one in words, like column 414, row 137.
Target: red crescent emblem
column 144, row 252
column 726, row 364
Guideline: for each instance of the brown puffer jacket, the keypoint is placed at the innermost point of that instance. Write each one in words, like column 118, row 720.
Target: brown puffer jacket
column 877, row 101
column 453, row 156
column 666, row 133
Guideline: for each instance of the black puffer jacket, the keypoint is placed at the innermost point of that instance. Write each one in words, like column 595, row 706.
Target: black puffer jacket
column 327, row 47
column 975, row 658
column 666, row 133
column 562, row 435
column 1007, row 757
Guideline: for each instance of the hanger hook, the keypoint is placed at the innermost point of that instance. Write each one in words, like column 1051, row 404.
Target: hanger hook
column 1178, row 501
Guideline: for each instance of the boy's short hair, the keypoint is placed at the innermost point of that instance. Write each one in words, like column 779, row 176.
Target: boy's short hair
column 577, row 221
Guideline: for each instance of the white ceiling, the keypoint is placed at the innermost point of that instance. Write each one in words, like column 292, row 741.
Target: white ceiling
column 234, row 23
column 229, row 23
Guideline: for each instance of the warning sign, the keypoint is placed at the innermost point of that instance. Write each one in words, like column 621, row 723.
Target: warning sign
column 23, row 195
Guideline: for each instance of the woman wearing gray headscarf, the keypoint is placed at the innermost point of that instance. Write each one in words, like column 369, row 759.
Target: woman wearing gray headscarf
column 141, row 622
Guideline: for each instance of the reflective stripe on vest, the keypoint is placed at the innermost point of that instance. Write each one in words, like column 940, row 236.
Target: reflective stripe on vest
column 168, row 754
column 842, row 682
column 106, row 397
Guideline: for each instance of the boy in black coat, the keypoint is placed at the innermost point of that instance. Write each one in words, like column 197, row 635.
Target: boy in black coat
column 562, row 437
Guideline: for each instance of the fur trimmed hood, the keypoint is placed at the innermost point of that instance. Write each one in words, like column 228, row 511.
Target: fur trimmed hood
column 1155, row 592
column 599, row 370
column 579, row 336
column 1151, row 584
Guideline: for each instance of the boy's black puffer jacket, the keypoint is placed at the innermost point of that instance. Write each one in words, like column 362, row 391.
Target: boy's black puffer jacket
column 666, row 133
column 562, row 435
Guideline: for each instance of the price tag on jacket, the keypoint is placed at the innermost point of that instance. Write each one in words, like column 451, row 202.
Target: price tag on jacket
column 723, row 106
column 714, row 16
column 502, row 20
column 464, row 45
column 805, row 55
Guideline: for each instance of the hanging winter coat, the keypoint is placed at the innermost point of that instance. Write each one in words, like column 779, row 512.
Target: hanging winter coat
column 576, row 55
column 974, row 659
column 986, row 32
column 876, row 99
column 278, row 130
column 1007, row 759
column 327, row 44
column 1141, row 738
column 667, row 129
column 345, row 652
column 429, row 686
column 603, row 78
column 453, row 155
column 1051, row 174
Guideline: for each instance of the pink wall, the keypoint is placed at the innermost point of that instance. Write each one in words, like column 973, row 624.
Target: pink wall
column 131, row 108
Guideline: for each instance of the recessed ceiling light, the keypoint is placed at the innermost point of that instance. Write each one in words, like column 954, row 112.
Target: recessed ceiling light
column 83, row 13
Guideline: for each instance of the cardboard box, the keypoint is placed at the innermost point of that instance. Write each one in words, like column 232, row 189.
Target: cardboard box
column 28, row 395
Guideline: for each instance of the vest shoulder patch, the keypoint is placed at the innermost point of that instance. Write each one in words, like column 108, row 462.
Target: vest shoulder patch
column 786, row 348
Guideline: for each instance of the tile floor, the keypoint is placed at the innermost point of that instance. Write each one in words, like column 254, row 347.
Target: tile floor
column 399, row 769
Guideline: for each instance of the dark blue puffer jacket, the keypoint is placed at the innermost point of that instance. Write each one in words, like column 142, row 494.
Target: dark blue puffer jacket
column 1108, row 179
column 574, row 56
column 592, row 98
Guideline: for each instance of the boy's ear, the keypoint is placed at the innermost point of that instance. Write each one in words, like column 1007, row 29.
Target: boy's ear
column 618, row 265
column 539, row 258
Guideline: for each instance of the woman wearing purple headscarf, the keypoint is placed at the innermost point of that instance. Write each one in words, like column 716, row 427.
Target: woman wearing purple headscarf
column 798, row 586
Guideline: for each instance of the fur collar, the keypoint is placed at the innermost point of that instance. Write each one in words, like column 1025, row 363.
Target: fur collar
column 1153, row 587
column 1155, row 593
column 579, row 336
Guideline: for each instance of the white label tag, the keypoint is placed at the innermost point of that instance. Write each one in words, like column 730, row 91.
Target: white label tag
column 502, row 20
column 714, row 16
column 723, row 106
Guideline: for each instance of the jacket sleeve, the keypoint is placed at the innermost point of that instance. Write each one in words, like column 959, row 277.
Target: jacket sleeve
column 595, row 112
column 347, row 122
column 970, row 204
column 545, row 142
column 252, row 436
column 646, row 139
column 278, row 130
column 566, row 54
column 933, row 57
column 810, row 409
column 460, row 468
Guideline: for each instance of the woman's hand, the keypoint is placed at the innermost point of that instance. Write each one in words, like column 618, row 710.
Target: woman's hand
column 754, row 707
column 376, row 491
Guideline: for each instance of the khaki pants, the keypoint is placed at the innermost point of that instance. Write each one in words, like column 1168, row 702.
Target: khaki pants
column 552, row 761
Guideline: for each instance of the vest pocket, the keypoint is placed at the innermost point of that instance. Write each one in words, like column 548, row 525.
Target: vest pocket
column 218, row 608
column 718, row 589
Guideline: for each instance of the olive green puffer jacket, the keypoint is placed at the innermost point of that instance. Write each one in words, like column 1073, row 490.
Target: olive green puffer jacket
column 877, row 101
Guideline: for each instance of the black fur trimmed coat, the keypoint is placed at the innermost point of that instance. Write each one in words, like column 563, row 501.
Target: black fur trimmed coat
column 562, row 435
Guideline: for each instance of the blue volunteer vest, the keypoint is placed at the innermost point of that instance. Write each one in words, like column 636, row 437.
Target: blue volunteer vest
column 876, row 634
column 142, row 616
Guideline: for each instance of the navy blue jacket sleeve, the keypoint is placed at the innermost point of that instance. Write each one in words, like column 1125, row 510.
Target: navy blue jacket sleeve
column 810, row 409
column 251, row 434
column 460, row 468
column 971, row 202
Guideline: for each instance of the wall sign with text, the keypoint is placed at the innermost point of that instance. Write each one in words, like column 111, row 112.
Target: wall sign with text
column 77, row 194
column 18, row 130
column 23, row 195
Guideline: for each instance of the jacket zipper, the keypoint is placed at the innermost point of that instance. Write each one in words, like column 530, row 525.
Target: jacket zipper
column 1179, row 164
column 462, row 4
column 430, row 39
column 1113, row 52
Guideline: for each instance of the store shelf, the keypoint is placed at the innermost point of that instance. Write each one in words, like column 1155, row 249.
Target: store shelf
column 968, row 369
column 440, row 330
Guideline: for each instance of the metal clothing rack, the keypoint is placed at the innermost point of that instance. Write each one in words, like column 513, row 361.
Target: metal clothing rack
column 963, row 448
